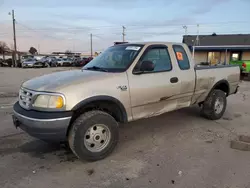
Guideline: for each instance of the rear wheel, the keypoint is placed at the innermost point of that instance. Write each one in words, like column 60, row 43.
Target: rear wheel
column 93, row 135
column 215, row 105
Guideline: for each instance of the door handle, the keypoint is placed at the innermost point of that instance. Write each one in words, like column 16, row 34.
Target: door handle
column 174, row 80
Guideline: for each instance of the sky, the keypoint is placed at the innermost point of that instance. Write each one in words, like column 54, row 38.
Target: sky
column 53, row 25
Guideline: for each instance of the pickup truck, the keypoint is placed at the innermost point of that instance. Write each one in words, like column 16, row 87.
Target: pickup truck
column 125, row 83
column 244, row 66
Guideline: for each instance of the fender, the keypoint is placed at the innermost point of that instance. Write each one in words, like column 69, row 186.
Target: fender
column 219, row 83
column 103, row 98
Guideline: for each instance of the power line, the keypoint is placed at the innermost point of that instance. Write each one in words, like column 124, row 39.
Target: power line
column 134, row 32
column 137, row 26
column 29, row 28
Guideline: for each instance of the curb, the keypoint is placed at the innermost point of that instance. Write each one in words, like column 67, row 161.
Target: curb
column 242, row 144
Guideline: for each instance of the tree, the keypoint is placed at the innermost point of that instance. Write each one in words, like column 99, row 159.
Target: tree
column 33, row 50
column 3, row 48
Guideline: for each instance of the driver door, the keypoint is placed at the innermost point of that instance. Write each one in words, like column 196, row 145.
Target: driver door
column 153, row 93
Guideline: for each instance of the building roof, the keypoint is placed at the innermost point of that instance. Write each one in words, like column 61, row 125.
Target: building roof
column 217, row 40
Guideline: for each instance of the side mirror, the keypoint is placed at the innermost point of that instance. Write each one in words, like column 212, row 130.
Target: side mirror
column 147, row 66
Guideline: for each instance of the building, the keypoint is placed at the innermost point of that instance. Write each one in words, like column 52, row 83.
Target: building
column 219, row 49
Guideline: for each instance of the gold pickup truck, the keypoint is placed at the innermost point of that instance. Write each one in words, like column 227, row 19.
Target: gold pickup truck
column 125, row 83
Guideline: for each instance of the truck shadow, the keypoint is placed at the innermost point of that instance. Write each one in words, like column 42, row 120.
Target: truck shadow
column 42, row 150
column 169, row 123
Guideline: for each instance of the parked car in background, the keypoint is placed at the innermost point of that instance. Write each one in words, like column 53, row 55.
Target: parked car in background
column 80, row 62
column 32, row 63
column 244, row 66
column 59, row 62
column 52, row 61
column 43, row 59
column 64, row 62
column 24, row 57
column 76, row 61
column 6, row 62
column 88, row 60
column 71, row 60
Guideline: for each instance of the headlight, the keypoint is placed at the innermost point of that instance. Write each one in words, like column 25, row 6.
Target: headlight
column 49, row 101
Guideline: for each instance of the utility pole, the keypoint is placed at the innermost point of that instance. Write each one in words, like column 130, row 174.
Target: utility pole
column 198, row 33
column 185, row 27
column 123, row 33
column 14, row 36
column 91, row 45
column 38, row 48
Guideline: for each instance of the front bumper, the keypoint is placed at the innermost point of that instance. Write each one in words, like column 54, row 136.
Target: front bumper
column 66, row 64
column 27, row 65
column 50, row 126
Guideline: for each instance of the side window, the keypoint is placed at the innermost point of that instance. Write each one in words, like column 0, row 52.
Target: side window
column 181, row 57
column 160, row 58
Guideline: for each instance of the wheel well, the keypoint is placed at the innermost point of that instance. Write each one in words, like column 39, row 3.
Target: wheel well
column 110, row 107
column 223, row 87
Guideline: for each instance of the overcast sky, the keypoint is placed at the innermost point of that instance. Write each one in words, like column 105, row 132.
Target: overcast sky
column 53, row 25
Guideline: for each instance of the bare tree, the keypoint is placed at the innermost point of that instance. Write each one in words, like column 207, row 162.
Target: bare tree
column 33, row 50
column 3, row 48
column 11, row 46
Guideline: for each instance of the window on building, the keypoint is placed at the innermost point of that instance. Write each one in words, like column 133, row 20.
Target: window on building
column 235, row 56
column 214, row 58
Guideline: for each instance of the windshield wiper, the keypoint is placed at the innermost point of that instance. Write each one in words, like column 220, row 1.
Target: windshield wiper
column 97, row 69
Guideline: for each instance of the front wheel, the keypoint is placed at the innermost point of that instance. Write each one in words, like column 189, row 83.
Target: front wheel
column 93, row 135
column 215, row 105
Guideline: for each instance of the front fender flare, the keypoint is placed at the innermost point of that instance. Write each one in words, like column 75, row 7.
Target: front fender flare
column 103, row 98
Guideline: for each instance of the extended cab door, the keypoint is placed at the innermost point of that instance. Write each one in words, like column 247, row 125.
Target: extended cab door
column 186, row 75
column 155, row 92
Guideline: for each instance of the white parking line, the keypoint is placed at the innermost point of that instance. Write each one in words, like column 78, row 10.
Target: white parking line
column 3, row 107
column 6, row 105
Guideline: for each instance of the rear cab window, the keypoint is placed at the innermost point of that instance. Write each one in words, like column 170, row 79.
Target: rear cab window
column 181, row 57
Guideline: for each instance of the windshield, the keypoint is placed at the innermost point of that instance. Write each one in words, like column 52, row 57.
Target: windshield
column 115, row 59
column 30, row 59
column 26, row 57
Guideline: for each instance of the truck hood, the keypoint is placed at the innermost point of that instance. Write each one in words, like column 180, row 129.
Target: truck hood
column 56, row 81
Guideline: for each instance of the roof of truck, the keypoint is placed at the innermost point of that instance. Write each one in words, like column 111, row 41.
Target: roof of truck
column 152, row 43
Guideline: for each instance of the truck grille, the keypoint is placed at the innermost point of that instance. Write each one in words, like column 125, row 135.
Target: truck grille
column 25, row 98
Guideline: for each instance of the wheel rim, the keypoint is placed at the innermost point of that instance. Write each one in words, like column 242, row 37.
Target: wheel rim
column 219, row 105
column 97, row 137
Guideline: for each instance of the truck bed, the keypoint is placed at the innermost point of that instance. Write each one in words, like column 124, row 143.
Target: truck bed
column 208, row 76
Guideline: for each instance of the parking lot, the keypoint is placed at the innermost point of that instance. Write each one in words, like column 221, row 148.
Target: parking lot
column 177, row 149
